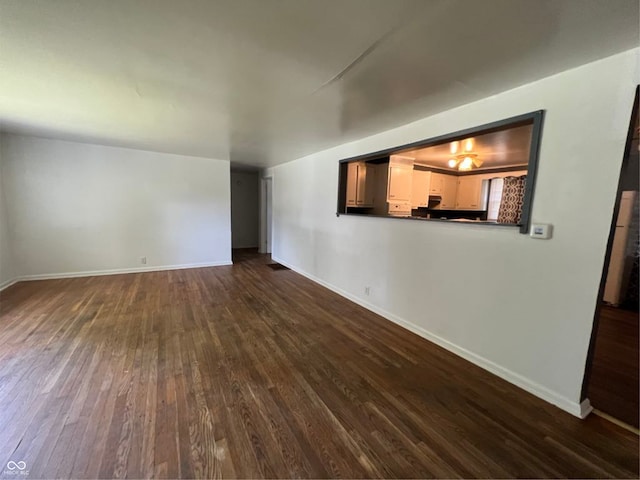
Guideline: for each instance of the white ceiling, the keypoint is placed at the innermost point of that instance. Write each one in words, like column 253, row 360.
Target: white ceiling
column 261, row 82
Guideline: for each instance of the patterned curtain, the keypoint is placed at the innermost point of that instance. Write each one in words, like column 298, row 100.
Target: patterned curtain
column 512, row 198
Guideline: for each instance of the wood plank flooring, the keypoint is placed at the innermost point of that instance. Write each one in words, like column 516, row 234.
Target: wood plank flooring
column 249, row 372
column 614, row 384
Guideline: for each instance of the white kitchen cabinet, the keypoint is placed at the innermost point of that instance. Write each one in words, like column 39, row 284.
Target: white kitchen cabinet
column 400, row 182
column 421, row 181
column 360, row 184
column 449, row 191
column 445, row 187
column 352, row 184
column 437, row 184
column 472, row 193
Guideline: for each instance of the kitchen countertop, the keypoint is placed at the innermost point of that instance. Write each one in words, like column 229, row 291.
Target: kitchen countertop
column 425, row 219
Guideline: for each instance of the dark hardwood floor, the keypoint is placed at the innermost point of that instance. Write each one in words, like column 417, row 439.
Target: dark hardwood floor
column 614, row 382
column 245, row 371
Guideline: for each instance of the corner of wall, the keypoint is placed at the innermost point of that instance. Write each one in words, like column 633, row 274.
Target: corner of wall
column 8, row 273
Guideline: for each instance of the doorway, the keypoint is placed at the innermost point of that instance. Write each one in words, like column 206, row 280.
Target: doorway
column 244, row 209
column 266, row 215
column 612, row 374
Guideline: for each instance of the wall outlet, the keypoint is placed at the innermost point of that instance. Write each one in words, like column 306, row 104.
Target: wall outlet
column 367, row 290
column 143, row 260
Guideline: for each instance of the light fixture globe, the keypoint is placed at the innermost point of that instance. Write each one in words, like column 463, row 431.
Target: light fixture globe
column 466, row 164
column 466, row 160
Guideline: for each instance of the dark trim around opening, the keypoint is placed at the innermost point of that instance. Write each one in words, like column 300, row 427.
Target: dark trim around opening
column 532, row 118
column 607, row 258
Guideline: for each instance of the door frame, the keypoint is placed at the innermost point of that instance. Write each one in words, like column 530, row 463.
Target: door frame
column 266, row 214
column 607, row 258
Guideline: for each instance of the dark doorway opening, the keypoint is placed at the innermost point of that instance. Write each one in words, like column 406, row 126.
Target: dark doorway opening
column 245, row 209
column 612, row 379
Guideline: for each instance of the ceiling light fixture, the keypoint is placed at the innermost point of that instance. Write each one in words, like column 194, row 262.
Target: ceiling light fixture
column 466, row 160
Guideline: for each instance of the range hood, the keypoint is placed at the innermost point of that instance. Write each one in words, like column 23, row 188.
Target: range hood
column 434, row 201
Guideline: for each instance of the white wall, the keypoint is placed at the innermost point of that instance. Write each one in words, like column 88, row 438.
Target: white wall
column 6, row 258
column 78, row 208
column 244, row 209
column 520, row 307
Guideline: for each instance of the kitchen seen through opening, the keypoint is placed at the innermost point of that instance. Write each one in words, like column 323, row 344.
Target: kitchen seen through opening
column 482, row 175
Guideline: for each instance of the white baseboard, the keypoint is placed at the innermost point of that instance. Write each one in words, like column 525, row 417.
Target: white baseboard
column 8, row 283
column 580, row 410
column 585, row 408
column 96, row 273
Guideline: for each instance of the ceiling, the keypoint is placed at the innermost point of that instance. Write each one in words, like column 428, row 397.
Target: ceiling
column 261, row 82
column 504, row 148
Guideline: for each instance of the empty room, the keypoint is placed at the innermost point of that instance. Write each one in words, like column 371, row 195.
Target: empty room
column 319, row 238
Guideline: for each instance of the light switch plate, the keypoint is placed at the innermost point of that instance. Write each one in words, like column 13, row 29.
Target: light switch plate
column 541, row 231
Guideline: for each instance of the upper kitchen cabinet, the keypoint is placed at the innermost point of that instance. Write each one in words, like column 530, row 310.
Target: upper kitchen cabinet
column 437, row 184
column 360, row 184
column 443, row 185
column 400, row 179
column 472, row 193
column 448, row 190
column 421, row 182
